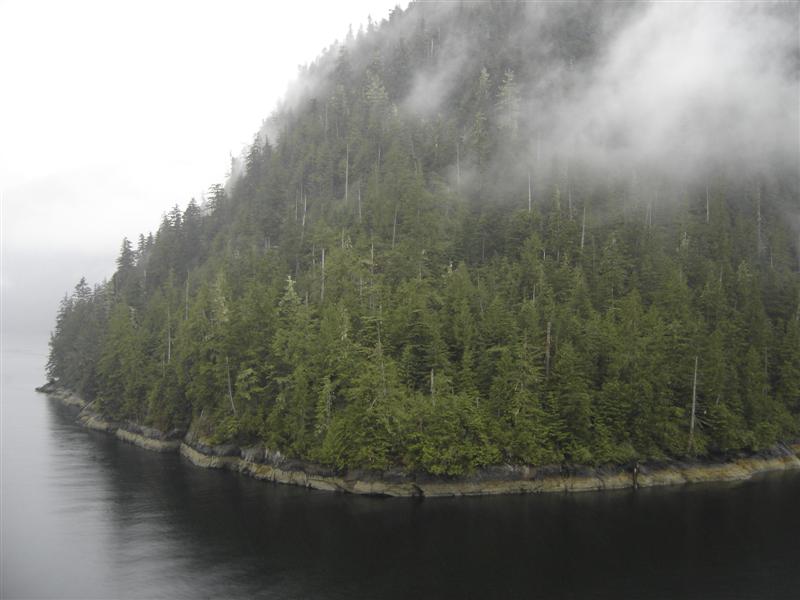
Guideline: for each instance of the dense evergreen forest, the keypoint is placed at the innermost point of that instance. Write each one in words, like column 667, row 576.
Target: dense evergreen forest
column 404, row 272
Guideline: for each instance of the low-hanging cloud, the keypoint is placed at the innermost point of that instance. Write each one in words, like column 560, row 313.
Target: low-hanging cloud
column 684, row 86
column 672, row 87
column 645, row 94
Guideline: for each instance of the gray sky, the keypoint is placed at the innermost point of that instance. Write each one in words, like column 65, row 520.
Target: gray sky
column 112, row 112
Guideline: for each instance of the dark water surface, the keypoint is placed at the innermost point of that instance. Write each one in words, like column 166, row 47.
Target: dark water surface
column 86, row 516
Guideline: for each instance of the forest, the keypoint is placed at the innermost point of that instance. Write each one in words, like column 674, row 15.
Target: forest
column 419, row 264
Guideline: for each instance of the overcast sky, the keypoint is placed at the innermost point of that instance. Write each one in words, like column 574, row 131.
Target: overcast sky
column 112, row 112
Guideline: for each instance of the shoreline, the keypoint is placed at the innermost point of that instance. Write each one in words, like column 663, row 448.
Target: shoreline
column 259, row 463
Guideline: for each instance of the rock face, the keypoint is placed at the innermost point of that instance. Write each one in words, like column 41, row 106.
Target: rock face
column 257, row 462
column 144, row 437
column 778, row 459
column 62, row 395
column 261, row 463
column 147, row 442
column 93, row 421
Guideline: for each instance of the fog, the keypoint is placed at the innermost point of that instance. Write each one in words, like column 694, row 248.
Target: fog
column 683, row 86
column 113, row 112
column 672, row 88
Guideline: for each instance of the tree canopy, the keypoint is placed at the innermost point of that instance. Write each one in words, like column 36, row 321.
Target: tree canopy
column 381, row 287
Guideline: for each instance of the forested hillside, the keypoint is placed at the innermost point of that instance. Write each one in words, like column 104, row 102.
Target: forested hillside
column 438, row 256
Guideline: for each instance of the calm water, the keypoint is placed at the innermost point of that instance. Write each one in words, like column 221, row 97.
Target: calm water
column 86, row 516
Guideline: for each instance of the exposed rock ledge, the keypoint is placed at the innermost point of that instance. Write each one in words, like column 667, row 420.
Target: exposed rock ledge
column 144, row 437
column 62, row 395
column 496, row 480
column 260, row 463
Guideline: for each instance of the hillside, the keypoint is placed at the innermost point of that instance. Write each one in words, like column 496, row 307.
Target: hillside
column 481, row 234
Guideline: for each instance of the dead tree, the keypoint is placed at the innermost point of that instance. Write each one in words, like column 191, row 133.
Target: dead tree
column 694, row 407
column 458, row 166
column 346, row 173
column 169, row 335
column 547, row 351
column 583, row 227
column 322, row 285
column 758, row 219
column 303, row 224
column 530, row 195
column 394, row 225
column 359, row 202
column 230, row 389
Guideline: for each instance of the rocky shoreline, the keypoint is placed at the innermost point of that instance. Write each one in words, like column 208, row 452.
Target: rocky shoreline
column 260, row 463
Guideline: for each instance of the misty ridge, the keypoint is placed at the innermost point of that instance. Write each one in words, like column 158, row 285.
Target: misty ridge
column 482, row 234
column 658, row 98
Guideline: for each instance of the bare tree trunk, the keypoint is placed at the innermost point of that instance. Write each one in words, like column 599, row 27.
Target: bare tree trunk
column 547, row 351
column 378, row 174
column 530, row 196
column 230, row 389
column 380, row 354
column 694, row 406
column 359, row 202
column 305, row 210
column 569, row 200
column 653, row 203
column 394, row 225
column 169, row 335
column 346, row 173
column 583, row 227
column 458, row 166
column 758, row 218
column 322, row 288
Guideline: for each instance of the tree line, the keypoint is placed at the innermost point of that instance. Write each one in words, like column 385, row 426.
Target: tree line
column 379, row 289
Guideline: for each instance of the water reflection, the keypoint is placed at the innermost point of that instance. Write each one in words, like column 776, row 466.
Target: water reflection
column 89, row 516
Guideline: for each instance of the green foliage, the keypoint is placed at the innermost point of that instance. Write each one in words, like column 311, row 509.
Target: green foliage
column 447, row 327
column 446, row 436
